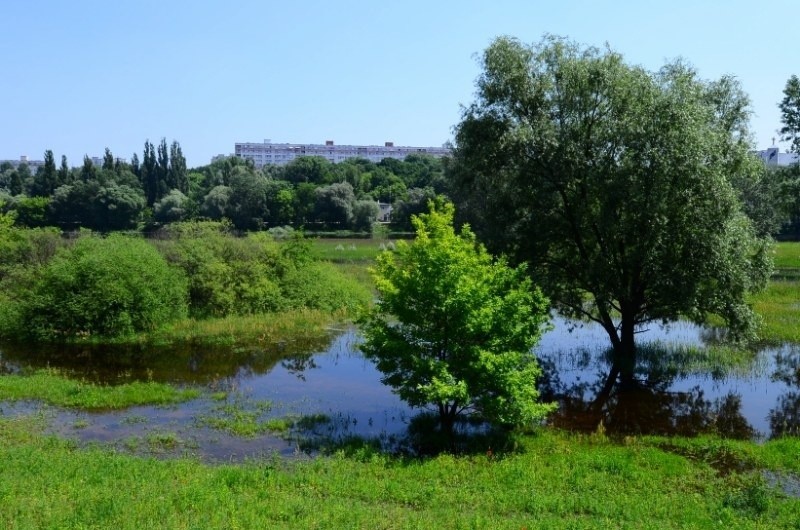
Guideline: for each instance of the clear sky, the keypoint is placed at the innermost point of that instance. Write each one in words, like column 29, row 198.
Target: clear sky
column 82, row 75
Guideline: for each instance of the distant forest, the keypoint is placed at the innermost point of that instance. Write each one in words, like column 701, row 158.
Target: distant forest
column 158, row 188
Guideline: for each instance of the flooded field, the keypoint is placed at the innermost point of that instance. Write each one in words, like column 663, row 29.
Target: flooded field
column 298, row 398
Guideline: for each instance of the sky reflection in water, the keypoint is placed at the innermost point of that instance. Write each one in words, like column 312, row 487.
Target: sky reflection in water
column 329, row 377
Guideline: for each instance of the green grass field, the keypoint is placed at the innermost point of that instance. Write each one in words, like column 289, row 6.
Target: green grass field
column 349, row 250
column 787, row 255
column 554, row 481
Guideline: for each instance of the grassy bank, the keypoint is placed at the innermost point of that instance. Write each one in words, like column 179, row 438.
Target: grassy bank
column 779, row 304
column 558, row 481
column 51, row 387
column 787, row 255
column 779, row 307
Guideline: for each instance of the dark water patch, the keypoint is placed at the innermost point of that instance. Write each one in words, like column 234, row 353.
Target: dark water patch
column 331, row 381
column 182, row 364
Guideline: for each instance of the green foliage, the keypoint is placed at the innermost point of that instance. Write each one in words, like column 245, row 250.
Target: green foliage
column 334, row 205
column 790, row 113
column 46, row 178
column 23, row 248
column 455, row 329
column 227, row 275
column 56, row 389
column 322, row 286
column 101, row 206
column 171, row 208
column 415, row 203
column 309, row 169
column 100, row 287
column 32, row 212
column 614, row 184
column 255, row 274
column 365, row 213
column 215, row 203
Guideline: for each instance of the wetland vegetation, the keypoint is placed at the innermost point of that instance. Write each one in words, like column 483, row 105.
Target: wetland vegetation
column 542, row 476
column 205, row 377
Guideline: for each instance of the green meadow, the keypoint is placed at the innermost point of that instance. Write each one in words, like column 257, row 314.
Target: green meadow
column 553, row 480
column 545, row 479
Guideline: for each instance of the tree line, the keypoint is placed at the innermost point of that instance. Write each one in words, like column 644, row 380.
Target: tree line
column 158, row 189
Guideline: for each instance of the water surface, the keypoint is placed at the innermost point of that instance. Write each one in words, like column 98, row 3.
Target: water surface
column 328, row 379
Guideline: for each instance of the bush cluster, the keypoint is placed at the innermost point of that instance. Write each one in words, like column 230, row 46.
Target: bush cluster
column 111, row 286
column 51, row 290
column 254, row 274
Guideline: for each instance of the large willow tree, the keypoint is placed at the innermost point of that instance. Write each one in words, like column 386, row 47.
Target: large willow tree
column 615, row 184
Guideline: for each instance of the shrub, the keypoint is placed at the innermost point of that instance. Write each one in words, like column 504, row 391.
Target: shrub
column 321, row 286
column 100, row 287
column 228, row 275
column 255, row 274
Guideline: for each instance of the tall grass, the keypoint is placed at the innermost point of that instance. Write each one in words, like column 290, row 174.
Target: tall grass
column 248, row 330
column 349, row 250
column 779, row 307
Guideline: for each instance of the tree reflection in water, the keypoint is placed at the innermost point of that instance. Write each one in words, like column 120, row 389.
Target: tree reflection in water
column 784, row 419
column 643, row 404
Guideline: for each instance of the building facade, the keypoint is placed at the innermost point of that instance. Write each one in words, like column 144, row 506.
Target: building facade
column 268, row 153
column 772, row 157
column 33, row 165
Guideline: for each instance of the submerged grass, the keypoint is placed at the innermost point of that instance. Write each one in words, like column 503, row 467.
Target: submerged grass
column 249, row 418
column 555, row 481
column 239, row 417
column 718, row 360
column 52, row 387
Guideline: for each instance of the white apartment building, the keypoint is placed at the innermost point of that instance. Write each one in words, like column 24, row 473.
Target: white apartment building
column 266, row 153
column 33, row 165
column 774, row 158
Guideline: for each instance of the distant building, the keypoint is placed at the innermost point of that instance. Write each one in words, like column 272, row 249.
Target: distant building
column 268, row 153
column 772, row 157
column 33, row 165
column 384, row 212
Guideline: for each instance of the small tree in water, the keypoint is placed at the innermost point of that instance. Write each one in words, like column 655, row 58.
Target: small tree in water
column 454, row 329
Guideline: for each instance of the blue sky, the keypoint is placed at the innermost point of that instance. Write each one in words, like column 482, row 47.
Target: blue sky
column 81, row 75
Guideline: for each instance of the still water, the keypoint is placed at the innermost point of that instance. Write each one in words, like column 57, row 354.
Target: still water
column 757, row 397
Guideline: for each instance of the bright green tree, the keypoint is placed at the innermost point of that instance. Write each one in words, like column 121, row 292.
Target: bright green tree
column 615, row 184
column 454, row 329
